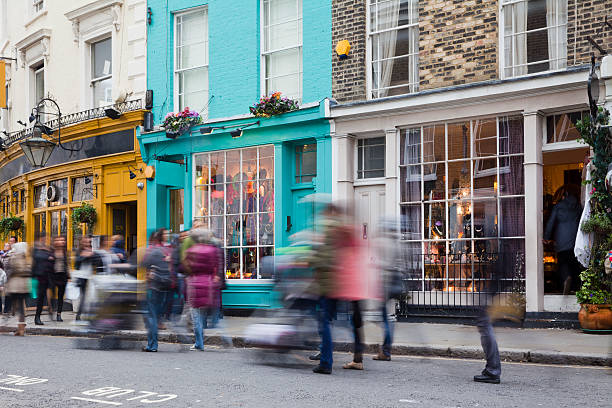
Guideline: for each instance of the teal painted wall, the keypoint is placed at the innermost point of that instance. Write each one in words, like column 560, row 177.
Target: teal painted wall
column 234, row 54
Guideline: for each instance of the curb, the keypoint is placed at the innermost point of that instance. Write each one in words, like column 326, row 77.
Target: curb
column 473, row 353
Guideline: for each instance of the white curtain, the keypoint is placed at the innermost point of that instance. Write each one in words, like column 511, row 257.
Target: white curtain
column 387, row 18
column 520, row 40
column 556, row 20
column 584, row 241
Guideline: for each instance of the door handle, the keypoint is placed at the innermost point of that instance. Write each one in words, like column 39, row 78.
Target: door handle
column 365, row 231
column 289, row 225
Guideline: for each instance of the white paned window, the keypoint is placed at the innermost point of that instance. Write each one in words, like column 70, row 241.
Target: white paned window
column 38, row 5
column 394, row 45
column 371, row 157
column 534, row 36
column 191, row 61
column 234, row 198
column 282, row 47
column 39, row 84
column 102, row 72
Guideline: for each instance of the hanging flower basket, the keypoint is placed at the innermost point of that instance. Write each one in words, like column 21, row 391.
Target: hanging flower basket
column 177, row 124
column 274, row 104
column 85, row 214
column 10, row 225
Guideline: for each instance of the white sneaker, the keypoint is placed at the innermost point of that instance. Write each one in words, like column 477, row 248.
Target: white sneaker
column 194, row 348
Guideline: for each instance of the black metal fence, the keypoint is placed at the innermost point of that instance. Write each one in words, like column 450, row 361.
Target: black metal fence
column 460, row 284
column 76, row 117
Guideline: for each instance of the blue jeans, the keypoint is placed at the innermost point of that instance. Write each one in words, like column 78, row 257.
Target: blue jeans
column 327, row 313
column 388, row 327
column 155, row 302
column 489, row 343
column 200, row 322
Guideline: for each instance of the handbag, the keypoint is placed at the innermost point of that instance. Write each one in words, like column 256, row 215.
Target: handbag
column 72, row 291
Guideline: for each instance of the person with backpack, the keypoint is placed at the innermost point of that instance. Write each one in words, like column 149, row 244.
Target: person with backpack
column 159, row 281
column 202, row 260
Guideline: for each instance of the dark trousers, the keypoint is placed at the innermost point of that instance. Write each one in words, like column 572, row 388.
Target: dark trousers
column 327, row 314
column 568, row 268
column 489, row 343
column 18, row 300
column 60, row 284
column 7, row 304
column 83, row 289
column 41, row 294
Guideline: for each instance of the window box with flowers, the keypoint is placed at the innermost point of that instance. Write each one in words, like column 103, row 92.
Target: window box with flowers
column 274, row 104
column 177, row 124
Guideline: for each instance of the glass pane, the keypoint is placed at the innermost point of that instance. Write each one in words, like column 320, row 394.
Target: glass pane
column 459, row 140
column 266, row 273
column 102, row 58
column 511, row 135
column 459, row 182
column 232, row 263
column 233, row 166
column 40, row 196
column 410, row 146
column 202, row 194
column 40, row 84
column 249, row 263
column 512, row 175
column 193, row 87
column 63, row 223
column 562, row 128
column 216, row 199
column 459, row 219
column 434, row 177
column 485, row 137
column 435, row 266
column 433, row 143
column 283, row 72
column 201, row 169
column 512, row 217
column 485, row 178
column 249, row 229
column 435, row 221
column 217, row 167
column 82, row 188
column 232, row 201
column 233, row 237
column 266, row 195
column 55, row 223
column 249, row 198
column 411, row 222
column 61, row 192
column 103, row 93
column 216, row 226
column 266, row 229
column 266, row 162
column 485, row 218
column 410, row 183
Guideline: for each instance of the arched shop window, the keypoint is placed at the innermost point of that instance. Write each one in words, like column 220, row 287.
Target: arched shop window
column 234, row 197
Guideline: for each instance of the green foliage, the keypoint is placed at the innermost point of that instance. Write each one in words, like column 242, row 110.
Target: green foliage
column 596, row 284
column 85, row 214
column 11, row 225
column 274, row 104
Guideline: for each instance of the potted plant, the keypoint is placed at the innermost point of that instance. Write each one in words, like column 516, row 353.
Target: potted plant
column 10, row 225
column 179, row 123
column 85, row 214
column 595, row 294
column 274, row 104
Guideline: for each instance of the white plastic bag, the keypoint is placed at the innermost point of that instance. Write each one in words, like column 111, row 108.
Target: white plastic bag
column 72, row 291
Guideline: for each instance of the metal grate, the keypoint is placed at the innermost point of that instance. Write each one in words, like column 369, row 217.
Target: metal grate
column 76, row 117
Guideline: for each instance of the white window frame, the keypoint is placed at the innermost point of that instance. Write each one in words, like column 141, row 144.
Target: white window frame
column 93, row 81
column 38, row 6
column 369, row 53
column 264, row 53
column 176, row 72
column 502, row 36
column 225, row 214
column 366, row 180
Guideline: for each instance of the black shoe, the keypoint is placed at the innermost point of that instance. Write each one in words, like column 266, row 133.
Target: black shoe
column 59, row 318
column 315, row 357
column 487, row 377
column 321, row 370
column 78, row 317
column 38, row 322
column 148, row 350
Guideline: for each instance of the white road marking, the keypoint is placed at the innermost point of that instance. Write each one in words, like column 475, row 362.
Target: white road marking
column 409, row 401
column 96, row 400
column 11, row 389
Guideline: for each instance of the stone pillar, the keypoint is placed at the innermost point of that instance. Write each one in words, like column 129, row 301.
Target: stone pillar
column 534, row 251
column 343, row 152
column 606, row 76
column 391, row 149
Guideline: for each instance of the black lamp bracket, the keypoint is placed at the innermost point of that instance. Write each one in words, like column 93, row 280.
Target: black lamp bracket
column 35, row 116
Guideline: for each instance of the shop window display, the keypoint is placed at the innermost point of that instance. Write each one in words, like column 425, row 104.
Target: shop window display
column 462, row 201
column 234, row 196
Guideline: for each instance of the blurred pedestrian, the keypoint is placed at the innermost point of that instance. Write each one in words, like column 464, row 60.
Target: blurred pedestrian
column 86, row 262
column 18, row 283
column 118, row 248
column 202, row 262
column 157, row 264
column 107, row 257
column 3, row 296
column 59, row 276
column 4, row 256
column 42, row 267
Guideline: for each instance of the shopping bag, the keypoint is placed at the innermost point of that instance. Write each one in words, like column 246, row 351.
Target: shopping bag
column 34, row 287
column 72, row 291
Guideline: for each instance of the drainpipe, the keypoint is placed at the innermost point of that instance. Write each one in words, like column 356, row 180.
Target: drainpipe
column 606, row 76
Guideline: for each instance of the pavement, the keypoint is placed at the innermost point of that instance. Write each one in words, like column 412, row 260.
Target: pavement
column 54, row 372
column 547, row 346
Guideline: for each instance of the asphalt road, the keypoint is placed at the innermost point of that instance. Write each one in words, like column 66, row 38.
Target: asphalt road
column 40, row 371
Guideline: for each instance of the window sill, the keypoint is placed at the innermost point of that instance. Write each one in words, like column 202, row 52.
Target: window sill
column 369, row 181
column 302, row 186
column 35, row 18
column 550, row 71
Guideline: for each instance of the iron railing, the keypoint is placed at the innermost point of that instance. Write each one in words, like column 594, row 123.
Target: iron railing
column 76, row 117
column 460, row 284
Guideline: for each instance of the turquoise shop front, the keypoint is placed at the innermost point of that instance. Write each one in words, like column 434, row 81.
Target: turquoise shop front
column 248, row 190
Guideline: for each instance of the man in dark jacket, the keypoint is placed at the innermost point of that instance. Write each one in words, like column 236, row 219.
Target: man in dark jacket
column 562, row 227
column 42, row 267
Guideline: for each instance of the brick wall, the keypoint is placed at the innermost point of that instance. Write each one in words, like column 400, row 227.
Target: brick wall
column 585, row 18
column 458, row 42
column 349, row 75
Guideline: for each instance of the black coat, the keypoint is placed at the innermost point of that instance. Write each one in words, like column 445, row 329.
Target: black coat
column 43, row 263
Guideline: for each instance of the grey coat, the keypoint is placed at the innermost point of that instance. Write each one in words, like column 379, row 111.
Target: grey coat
column 18, row 272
